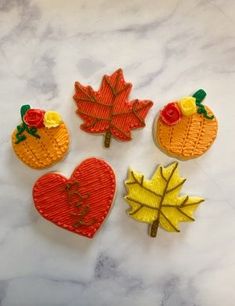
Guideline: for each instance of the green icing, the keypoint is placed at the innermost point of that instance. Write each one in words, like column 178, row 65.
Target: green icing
column 200, row 95
column 23, row 127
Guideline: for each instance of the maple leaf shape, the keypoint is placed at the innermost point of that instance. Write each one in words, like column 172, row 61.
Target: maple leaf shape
column 157, row 201
column 108, row 110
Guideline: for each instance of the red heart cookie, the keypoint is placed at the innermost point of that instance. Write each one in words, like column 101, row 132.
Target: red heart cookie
column 80, row 203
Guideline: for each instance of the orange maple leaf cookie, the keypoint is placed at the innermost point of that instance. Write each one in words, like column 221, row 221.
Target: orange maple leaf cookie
column 186, row 128
column 42, row 138
column 108, row 110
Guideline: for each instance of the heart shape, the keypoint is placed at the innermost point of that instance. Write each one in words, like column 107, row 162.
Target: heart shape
column 81, row 203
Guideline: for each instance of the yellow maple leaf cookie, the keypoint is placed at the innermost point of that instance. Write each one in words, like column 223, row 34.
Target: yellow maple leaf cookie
column 157, row 201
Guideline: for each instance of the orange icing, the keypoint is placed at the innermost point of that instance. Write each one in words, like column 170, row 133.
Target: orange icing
column 189, row 138
column 45, row 151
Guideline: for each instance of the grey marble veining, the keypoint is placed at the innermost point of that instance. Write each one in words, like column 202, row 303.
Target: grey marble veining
column 167, row 49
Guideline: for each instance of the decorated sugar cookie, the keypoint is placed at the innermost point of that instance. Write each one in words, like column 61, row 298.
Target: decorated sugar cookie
column 80, row 203
column 41, row 139
column 158, row 201
column 108, row 110
column 186, row 128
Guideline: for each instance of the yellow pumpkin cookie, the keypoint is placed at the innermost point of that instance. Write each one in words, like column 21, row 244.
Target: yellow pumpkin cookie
column 186, row 128
column 42, row 138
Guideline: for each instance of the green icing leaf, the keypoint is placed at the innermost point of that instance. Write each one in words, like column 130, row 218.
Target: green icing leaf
column 23, row 127
column 199, row 96
column 24, row 109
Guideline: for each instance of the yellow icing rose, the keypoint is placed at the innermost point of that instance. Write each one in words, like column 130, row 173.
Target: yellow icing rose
column 188, row 106
column 52, row 119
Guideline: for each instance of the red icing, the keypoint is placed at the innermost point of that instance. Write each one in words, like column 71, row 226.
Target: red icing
column 34, row 118
column 108, row 109
column 171, row 114
column 80, row 203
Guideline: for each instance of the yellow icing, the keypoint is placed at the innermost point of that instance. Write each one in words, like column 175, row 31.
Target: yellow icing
column 52, row 119
column 157, row 200
column 188, row 106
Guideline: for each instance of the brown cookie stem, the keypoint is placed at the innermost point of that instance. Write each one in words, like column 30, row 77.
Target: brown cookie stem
column 153, row 228
column 107, row 139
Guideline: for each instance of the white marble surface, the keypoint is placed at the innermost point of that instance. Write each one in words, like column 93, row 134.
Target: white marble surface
column 168, row 49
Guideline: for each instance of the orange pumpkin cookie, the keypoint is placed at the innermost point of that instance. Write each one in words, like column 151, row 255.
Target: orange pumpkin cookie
column 42, row 138
column 186, row 128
